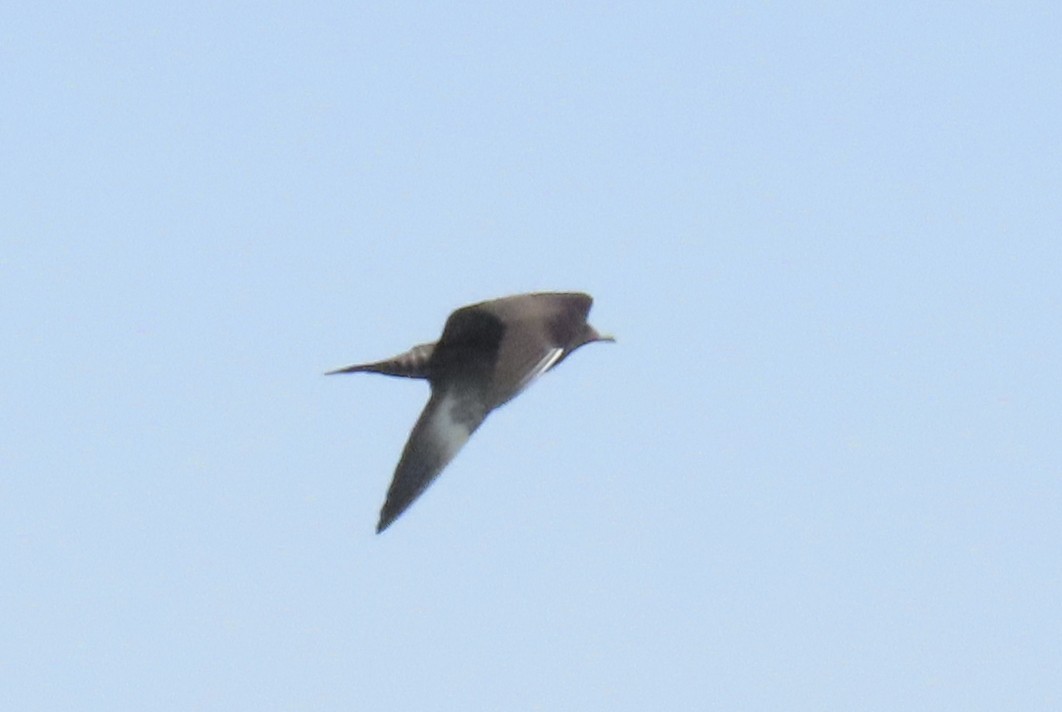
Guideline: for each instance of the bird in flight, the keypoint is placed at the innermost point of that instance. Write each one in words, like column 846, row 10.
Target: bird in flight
column 488, row 353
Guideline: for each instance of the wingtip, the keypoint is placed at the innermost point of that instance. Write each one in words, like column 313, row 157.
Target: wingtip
column 385, row 520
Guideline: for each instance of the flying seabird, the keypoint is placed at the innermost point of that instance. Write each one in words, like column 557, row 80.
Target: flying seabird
column 487, row 354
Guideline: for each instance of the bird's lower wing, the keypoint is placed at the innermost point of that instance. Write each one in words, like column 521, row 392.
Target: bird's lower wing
column 441, row 431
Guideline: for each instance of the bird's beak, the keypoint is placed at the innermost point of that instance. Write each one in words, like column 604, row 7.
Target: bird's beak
column 603, row 337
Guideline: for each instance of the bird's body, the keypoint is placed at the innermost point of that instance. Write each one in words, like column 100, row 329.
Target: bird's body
column 487, row 354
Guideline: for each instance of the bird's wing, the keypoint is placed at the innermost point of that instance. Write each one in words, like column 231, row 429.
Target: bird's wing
column 543, row 363
column 538, row 332
column 441, row 431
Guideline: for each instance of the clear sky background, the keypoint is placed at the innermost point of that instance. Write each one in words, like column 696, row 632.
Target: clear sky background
column 820, row 470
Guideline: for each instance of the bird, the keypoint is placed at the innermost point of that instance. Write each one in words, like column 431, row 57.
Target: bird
column 488, row 353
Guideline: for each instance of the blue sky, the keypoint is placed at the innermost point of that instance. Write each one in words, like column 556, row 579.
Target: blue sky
column 820, row 470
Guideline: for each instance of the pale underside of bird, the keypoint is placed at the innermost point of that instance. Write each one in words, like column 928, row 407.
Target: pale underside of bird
column 488, row 353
